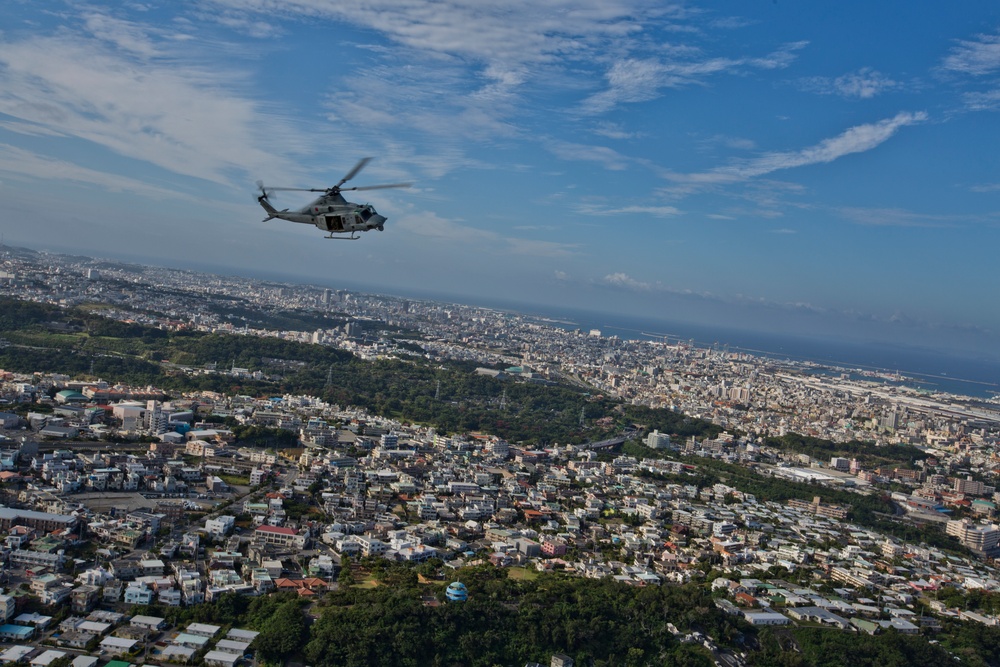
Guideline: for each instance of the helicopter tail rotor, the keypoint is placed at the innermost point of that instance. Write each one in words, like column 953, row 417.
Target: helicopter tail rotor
column 265, row 202
column 264, row 194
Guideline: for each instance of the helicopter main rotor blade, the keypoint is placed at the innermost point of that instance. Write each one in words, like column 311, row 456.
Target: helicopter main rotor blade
column 272, row 189
column 378, row 187
column 353, row 172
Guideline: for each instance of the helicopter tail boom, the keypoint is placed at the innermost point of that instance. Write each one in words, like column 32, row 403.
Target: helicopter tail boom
column 271, row 211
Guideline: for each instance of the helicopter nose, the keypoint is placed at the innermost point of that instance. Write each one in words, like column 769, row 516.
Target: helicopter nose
column 377, row 221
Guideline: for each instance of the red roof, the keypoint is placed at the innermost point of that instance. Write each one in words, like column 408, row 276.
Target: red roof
column 278, row 530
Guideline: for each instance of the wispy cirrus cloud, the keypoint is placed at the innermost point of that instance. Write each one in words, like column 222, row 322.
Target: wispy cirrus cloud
column 444, row 229
column 982, row 101
column 764, row 193
column 609, row 157
column 655, row 211
column 633, row 80
column 897, row 217
column 857, row 139
column 31, row 129
column 613, row 131
column 863, row 84
column 985, row 187
column 517, row 31
column 125, row 35
column 136, row 94
column 21, row 163
column 976, row 57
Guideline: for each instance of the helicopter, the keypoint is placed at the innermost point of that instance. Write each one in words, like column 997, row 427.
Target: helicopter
column 331, row 212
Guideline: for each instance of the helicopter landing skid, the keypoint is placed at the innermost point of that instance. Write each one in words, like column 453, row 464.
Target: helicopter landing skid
column 352, row 237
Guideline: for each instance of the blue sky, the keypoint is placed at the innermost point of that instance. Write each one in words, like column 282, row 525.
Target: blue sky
column 818, row 168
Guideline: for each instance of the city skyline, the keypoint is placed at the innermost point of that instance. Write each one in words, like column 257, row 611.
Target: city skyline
column 766, row 167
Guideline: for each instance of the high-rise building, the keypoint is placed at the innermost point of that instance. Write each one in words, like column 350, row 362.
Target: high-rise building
column 657, row 440
column 981, row 538
column 890, row 421
column 969, row 486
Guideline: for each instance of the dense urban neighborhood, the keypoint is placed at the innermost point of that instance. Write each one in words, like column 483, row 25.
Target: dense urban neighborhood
column 197, row 469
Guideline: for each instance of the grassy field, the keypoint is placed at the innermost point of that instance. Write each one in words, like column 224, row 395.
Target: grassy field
column 522, row 574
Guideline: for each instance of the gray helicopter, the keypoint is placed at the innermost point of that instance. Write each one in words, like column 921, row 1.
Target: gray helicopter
column 331, row 212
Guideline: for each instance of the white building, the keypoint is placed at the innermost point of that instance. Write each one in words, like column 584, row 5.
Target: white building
column 657, row 440
column 220, row 526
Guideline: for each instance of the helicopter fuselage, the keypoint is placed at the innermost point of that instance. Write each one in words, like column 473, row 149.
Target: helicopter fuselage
column 331, row 213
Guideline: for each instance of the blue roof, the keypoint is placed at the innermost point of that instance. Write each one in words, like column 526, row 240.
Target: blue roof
column 11, row 629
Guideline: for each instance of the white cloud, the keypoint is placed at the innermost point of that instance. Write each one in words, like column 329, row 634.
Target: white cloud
column 655, row 211
column 21, row 163
column 518, row 41
column 863, row 84
column 976, row 57
column 517, row 31
column 612, row 131
column 610, row 158
column 186, row 119
column 625, row 281
column 30, row 129
column 986, row 101
column 443, row 229
column 857, row 139
column 985, row 187
column 897, row 217
column 124, row 35
column 632, row 80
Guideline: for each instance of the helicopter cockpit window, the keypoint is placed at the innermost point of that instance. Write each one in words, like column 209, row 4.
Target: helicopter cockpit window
column 366, row 213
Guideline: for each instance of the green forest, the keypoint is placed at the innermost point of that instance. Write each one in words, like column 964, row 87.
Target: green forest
column 397, row 619
column 451, row 397
column 868, row 453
